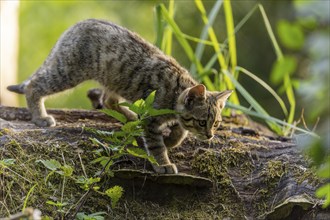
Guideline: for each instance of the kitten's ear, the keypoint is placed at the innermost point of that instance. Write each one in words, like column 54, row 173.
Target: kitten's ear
column 196, row 92
column 222, row 97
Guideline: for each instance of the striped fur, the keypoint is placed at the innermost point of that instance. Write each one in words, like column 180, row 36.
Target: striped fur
column 128, row 68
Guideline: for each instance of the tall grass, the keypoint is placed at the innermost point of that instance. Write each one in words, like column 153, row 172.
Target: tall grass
column 225, row 55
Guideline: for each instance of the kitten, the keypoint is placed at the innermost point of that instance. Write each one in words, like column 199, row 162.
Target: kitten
column 129, row 68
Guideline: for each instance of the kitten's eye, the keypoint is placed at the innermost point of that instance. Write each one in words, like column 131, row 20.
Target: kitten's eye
column 202, row 123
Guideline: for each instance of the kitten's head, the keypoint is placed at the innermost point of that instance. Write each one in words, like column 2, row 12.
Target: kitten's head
column 200, row 110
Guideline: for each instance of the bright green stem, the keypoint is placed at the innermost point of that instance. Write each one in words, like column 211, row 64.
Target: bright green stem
column 186, row 46
column 287, row 81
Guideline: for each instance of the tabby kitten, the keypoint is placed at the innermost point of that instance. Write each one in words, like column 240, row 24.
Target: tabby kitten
column 129, row 68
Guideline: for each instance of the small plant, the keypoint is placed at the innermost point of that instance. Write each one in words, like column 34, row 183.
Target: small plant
column 65, row 171
column 116, row 144
column 115, row 193
column 112, row 145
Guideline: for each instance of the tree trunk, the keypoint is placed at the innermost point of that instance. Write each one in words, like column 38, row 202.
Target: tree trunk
column 246, row 172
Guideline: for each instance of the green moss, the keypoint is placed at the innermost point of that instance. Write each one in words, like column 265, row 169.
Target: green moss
column 216, row 165
column 302, row 174
column 209, row 164
column 25, row 172
column 274, row 170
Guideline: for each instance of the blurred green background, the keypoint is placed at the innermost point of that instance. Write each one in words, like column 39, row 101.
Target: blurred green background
column 42, row 23
column 302, row 28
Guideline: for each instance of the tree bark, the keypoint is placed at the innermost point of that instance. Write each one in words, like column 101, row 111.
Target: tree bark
column 245, row 172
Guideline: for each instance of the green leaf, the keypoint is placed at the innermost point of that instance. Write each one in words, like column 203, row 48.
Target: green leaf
column 100, row 133
column 7, row 162
column 94, row 216
column 137, row 107
column 134, row 142
column 57, row 204
column 86, row 182
column 100, row 159
column 138, row 152
column 115, row 193
column 66, row 170
column 324, row 192
column 117, row 115
column 98, row 143
column 150, row 99
column 50, row 164
column 282, row 67
column 324, row 170
column 290, row 35
column 131, row 126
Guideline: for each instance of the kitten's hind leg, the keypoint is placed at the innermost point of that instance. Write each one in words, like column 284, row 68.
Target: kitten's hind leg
column 37, row 108
column 47, row 81
column 111, row 101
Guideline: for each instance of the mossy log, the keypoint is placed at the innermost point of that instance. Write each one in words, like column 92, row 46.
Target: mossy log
column 245, row 172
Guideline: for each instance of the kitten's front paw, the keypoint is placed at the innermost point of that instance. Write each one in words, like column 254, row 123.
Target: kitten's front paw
column 166, row 169
column 47, row 121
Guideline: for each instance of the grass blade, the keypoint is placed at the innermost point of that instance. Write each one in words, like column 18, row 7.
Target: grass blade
column 204, row 34
column 279, row 54
column 266, row 86
column 252, row 102
column 237, row 28
column 212, row 34
column 168, row 31
column 269, row 118
column 200, row 41
column 291, row 97
column 230, row 34
column 277, row 48
column 28, row 196
column 159, row 27
column 185, row 45
column 220, row 56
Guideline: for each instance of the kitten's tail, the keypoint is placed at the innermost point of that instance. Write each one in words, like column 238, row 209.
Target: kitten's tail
column 19, row 88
